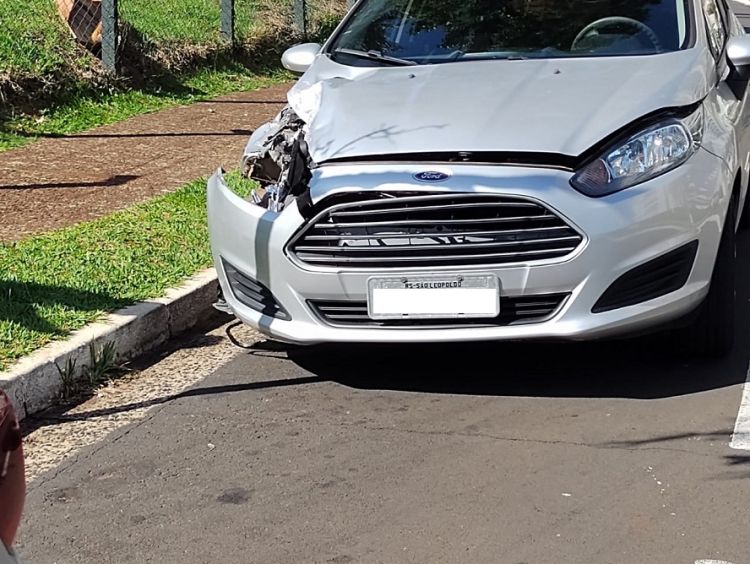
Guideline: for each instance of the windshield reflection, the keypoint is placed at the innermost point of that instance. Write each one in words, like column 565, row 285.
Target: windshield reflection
column 439, row 31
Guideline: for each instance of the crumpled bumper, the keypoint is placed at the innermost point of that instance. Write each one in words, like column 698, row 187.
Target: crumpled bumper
column 621, row 232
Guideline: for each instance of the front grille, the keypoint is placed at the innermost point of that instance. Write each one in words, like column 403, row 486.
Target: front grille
column 253, row 294
column 513, row 311
column 656, row 278
column 397, row 230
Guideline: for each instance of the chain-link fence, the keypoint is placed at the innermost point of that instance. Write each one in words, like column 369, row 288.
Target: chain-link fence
column 324, row 15
column 178, row 25
column 44, row 37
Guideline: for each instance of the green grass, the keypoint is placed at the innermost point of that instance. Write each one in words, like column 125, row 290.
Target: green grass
column 185, row 21
column 33, row 38
column 83, row 112
column 56, row 283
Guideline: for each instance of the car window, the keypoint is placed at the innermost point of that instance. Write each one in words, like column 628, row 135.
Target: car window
column 715, row 27
column 440, row 31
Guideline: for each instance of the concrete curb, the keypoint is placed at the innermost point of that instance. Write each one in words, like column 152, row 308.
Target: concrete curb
column 34, row 382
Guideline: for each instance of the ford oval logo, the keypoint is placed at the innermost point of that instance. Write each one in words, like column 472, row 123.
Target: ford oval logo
column 432, row 176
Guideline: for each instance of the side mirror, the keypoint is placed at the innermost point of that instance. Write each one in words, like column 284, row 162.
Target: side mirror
column 738, row 53
column 300, row 57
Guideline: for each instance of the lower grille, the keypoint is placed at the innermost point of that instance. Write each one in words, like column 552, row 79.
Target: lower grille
column 514, row 311
column 253, row 294
column 657, row 278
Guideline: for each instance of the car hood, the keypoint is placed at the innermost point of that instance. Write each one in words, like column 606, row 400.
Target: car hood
column 558, row 106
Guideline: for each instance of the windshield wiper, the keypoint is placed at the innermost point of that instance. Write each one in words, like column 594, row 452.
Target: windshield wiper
column 373, row 55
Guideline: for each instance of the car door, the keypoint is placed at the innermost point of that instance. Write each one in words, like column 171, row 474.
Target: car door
column 727, row 117
column 735, row 27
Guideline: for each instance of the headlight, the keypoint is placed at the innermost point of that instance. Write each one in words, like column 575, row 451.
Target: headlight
column 644, row 156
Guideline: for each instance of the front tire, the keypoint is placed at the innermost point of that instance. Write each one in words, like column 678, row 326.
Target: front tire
column 712, row 333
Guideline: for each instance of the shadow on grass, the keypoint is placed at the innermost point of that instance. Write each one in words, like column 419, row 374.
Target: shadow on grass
column 158, row 71
column 20, row 303
column 165, row 86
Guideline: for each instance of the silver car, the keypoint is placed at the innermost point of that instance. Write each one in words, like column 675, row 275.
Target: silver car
column 508, row 169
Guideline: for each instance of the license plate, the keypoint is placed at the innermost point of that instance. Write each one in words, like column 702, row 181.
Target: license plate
column 431, row 297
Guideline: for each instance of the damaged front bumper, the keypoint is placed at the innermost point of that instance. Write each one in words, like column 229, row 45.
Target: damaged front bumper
column 267, row 287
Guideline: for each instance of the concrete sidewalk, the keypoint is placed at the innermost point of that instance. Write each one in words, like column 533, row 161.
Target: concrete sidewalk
column 60, row 181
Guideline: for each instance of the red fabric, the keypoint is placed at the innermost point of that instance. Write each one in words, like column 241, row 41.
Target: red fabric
column 12, row 480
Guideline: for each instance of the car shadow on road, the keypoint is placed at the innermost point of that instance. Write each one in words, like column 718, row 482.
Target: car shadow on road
column 651, row 367
column 627, row 369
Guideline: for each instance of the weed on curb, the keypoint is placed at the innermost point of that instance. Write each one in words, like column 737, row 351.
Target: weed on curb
column 68, row 377
column 103, row 366
column 103, row 362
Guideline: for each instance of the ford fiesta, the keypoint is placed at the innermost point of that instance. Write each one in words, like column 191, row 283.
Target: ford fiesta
column 510, row 169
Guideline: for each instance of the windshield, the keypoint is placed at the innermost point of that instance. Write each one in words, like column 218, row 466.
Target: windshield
column 388, row 32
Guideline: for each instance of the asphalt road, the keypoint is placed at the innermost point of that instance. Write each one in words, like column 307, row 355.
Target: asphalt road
column 511, row 453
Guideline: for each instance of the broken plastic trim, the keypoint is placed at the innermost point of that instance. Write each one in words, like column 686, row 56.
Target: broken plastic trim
column 221, row 303
column 281, row 164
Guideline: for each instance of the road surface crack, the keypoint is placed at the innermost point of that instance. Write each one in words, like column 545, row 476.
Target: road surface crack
column 558, row 442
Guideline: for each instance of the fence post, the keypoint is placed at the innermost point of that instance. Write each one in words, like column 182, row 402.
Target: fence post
column 227, row 21
column 300, row 17
column 110, row 20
